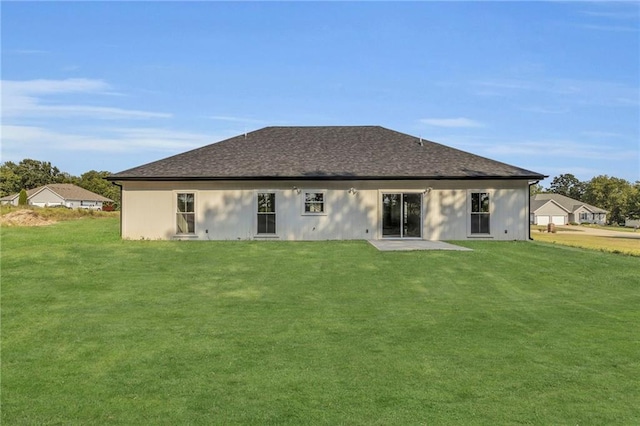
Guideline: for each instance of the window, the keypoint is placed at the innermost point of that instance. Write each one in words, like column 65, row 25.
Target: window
column 584, row 216
column 313, row 202
column 266, row 213
column 480, row 213
column 186, row 216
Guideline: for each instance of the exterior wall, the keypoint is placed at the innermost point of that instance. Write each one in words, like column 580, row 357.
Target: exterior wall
column 546, row 214
column 46, row 197
column 591, row 217
column 227, row 210
column 12, row 202
column 632, row 223
column 84, row 204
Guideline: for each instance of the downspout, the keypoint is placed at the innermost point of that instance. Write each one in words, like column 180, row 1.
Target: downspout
column 529, row 210
column 122, row 202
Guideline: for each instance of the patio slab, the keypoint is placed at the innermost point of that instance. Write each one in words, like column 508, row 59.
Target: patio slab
column 408, row 245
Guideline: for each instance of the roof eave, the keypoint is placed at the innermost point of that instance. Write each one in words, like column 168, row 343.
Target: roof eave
column 316, row 177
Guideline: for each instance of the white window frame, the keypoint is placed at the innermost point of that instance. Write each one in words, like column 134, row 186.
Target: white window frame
column 470, row 212
column 177, row 212
column 257, row 212
column 304, row 202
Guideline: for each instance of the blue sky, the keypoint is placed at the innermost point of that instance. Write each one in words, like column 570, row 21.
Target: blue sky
column 553, row 87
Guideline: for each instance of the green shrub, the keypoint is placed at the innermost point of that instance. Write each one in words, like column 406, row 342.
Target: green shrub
column 22, row 198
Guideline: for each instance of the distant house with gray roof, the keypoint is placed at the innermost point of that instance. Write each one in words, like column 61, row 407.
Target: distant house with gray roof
column 325, row 182
column 60, row 194
column 562, row 210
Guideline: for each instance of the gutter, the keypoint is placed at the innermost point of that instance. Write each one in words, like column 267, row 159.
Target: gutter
column 316, row 178
column 121, row 204
column 529, row 210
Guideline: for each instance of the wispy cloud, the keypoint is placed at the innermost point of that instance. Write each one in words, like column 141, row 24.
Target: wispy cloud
column 560, row 149
column 566, row 91
column 36, row 98
column 611, row 16
column 452, row 122
column 25, row 51
column 631, row 13
column 113, row 140
column 546, row 110
column 616, row 28
column 43, row 86
column 600, row 134
column 235, row 119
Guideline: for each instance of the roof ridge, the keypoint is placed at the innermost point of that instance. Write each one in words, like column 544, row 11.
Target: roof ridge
column 325, row 127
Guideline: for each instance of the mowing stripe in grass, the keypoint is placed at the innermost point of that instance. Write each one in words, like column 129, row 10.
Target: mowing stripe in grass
column 98, row 330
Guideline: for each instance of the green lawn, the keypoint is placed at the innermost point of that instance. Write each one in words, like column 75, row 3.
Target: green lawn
column 96, row 330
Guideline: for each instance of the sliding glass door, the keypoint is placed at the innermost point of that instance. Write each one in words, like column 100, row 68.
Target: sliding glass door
column 402, row 215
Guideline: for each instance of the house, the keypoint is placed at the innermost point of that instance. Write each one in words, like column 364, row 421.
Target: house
column 562, row 210
column 60, row 194
column 319, row 183
column 632, row 223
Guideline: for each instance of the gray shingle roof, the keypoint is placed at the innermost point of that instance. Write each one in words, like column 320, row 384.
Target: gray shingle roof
column 67, row 191
column 569, row 204
column 326, row 152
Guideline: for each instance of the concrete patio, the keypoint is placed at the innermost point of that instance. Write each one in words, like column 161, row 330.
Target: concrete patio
column 408, row 245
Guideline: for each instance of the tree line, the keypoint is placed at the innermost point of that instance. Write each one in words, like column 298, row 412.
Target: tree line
column 618, row 196
column 30, row 174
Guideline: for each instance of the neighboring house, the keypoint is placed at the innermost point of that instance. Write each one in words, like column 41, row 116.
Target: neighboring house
column 632, row 223
column 319, row 183
column 60, row 194
column 561, row 210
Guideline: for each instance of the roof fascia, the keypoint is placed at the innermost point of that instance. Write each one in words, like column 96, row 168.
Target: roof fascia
column 39, row 190
column 560, row 205
column 551, row 200
column 593, row 209
column 584, row 206
column 298, row 178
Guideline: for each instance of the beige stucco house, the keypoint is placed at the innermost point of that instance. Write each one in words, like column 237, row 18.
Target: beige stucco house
column 319, row 183
column 562, row 210
column 60, row 194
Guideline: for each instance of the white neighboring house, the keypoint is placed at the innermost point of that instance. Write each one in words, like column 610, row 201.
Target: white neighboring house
column 325, row 183
column 60, row 194
column 632, row 223
column 561, row 210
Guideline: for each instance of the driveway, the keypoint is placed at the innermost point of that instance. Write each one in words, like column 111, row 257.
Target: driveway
column 602, row 232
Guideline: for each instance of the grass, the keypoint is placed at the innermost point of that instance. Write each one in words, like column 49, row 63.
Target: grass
column 573, row 237
column 58, row 214
column 610, row 228
column 96, row 330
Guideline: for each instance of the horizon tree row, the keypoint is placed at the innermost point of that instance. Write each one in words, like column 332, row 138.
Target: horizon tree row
column 30, row 174
column 619, row 196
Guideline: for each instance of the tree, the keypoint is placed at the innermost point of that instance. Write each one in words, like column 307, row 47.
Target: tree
column 95, row 181
column 535, row 189
column 31, row 174
column 10, row 181
column 22, row 198
column 612, row 194
column 633, row 207
column 27, row 174
column 568, row 185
